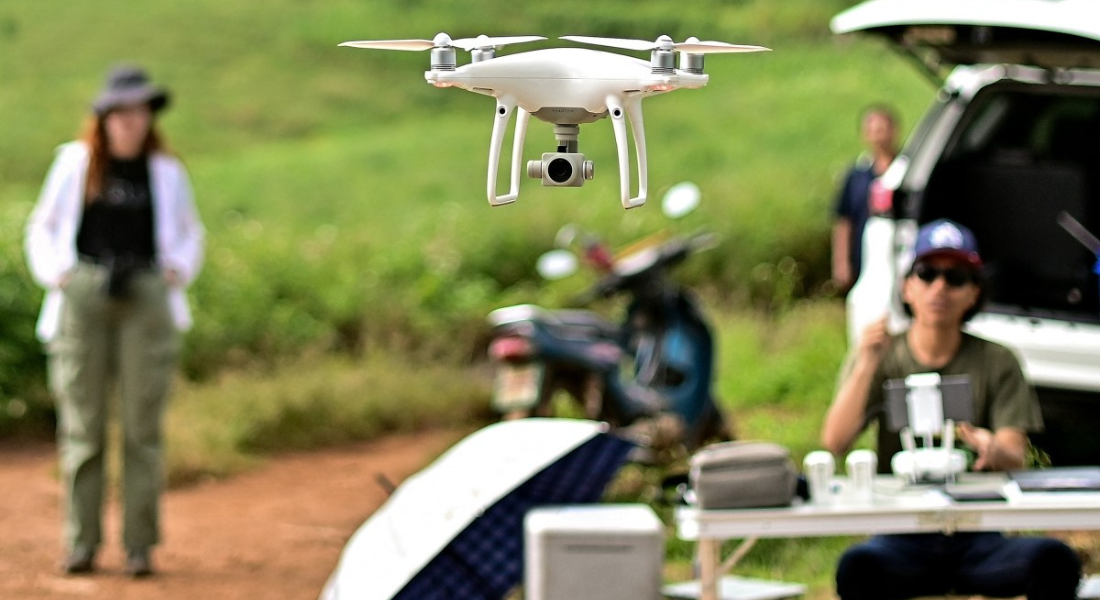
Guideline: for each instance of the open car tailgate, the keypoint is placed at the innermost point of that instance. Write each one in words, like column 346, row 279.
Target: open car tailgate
column 1053, row 34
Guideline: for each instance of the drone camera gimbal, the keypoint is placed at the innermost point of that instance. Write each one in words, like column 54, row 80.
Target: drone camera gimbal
column 561, row 169
column 566, row 167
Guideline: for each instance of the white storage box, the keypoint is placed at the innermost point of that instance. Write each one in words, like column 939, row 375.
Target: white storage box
column 593, row 552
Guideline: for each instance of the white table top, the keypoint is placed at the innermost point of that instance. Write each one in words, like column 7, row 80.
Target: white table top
column 900, row 508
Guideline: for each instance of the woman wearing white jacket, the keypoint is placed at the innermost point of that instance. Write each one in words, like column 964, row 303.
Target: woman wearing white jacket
column 114, row 239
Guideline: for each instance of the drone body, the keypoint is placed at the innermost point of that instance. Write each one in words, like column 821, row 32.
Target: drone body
column 563, row 78
column 566, row 87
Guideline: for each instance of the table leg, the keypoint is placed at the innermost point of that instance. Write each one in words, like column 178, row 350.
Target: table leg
column 708, row 555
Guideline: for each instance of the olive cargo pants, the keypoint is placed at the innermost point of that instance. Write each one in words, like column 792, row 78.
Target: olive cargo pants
column 130, row 343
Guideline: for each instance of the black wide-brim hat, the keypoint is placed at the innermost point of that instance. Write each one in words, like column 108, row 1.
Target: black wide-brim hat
column 128, row 85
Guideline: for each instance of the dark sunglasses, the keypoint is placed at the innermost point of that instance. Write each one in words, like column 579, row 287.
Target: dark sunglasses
column 953, row 276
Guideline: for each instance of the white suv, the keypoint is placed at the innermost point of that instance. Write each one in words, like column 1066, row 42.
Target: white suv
column 1010, row 148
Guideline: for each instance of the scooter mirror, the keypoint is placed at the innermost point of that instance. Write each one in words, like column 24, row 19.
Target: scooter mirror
column 556, row 264
column 680, row 199
column 566, row 235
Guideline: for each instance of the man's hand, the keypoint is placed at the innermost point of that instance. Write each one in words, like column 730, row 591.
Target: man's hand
column 63, row 280
column 978, row 439
column 874, row 341
column 1003, row 450
column 845, row 420
column 842, row 271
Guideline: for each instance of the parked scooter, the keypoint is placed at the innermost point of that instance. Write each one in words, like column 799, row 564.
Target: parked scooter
column 650, row 375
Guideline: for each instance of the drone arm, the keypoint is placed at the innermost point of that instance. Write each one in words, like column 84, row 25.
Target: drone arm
column 621, row 109
column 505, row 106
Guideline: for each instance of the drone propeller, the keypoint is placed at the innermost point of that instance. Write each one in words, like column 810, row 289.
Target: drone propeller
column 443, row 40
column 691, row 45
column 409, row 45
column 484, row 41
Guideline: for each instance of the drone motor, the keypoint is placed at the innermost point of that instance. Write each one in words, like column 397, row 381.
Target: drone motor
column 663, row 59
column 444, row 59
column 691, row 62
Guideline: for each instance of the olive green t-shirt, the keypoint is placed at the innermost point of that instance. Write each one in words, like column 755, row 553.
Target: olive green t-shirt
column 1002, row 397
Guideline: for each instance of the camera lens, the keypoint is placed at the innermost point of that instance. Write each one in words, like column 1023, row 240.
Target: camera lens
column 559, row 170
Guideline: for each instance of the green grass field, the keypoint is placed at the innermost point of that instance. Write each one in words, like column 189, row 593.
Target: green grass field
column 352, row 255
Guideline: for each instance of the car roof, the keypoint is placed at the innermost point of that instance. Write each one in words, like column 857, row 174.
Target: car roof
column 1052, row 34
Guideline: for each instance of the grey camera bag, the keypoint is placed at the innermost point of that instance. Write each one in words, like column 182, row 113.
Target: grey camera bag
column 742, row 475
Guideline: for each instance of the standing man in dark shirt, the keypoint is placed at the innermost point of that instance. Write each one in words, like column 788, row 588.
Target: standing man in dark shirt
column 878, row 130
column 114, row 239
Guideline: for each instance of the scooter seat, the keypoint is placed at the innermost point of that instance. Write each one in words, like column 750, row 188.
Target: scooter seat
column 584, row 319
column 575, row 324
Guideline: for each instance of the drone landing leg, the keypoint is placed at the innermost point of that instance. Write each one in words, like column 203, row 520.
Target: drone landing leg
column 504, row 109
column 621, row 110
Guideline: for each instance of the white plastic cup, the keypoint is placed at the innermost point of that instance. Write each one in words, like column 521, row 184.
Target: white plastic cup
column 862, row 465
column 819, row 468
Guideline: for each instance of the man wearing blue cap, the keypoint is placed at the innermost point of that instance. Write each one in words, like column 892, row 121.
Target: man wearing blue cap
column 943, row 289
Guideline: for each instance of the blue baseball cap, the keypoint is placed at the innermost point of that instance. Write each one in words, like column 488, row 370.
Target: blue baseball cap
column 947, row 238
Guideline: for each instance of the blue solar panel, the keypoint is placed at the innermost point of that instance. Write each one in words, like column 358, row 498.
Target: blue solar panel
column 485, row 561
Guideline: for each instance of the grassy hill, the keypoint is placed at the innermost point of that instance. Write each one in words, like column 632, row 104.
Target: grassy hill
column 352, row 254
column 337, row 187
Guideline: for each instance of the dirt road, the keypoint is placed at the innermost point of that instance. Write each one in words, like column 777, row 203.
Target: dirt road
column 273, row 533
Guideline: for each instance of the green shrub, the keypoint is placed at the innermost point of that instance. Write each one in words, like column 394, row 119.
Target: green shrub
column 221, row 426
column 23, row 402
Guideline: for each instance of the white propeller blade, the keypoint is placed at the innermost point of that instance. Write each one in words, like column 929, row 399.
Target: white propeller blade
column 483, row 41
column 691, row 46
column 625, row 44
column 409, row 45
column 716, row 48
column 442, row 40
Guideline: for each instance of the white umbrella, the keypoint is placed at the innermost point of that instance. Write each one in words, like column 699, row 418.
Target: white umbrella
column 454, row 530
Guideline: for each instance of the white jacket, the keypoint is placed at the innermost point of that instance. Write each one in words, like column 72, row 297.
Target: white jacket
column 53, row 226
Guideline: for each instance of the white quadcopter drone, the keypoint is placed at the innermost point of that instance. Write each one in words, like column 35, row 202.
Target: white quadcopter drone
column 566, row 87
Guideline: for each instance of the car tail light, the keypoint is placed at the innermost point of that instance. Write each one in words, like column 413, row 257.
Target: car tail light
column 881, row 198
column 511, row 349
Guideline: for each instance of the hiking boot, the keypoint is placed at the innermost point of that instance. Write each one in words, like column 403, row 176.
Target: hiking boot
column 138, row 564
column 80, row 560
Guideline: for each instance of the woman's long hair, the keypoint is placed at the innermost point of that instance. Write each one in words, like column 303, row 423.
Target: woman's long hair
column 95, row 136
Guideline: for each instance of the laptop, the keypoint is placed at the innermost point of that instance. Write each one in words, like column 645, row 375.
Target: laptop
column 1058, row 479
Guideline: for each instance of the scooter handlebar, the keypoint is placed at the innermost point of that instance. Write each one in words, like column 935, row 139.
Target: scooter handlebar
column 639, row 265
